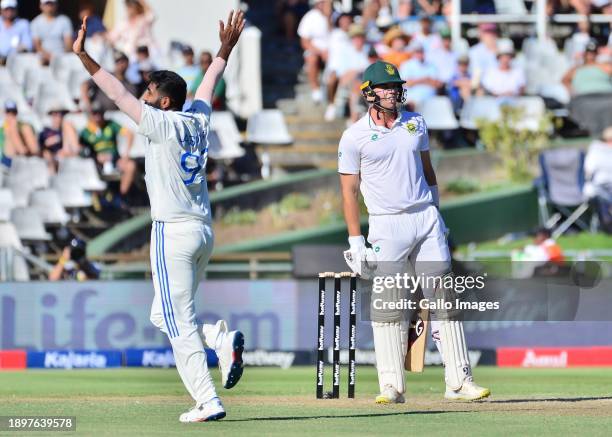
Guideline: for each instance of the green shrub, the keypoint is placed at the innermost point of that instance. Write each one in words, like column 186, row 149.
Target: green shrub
column 236, row 216
column 463, row 186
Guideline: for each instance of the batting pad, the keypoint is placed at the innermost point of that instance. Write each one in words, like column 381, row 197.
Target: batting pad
column 390, row 343
column 456, row 361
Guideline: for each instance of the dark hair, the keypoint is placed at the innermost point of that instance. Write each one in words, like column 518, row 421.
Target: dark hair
column 169, row 84
column 543, row 231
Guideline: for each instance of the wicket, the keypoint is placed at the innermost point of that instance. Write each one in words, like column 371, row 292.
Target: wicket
column 335, row 394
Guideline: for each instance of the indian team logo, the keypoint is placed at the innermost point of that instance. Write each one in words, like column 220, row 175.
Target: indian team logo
column 374, row 137
column 390, row 69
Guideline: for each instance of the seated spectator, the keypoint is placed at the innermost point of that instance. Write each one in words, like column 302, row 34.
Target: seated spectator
column 145, row 68
column 353, row 61
column 16, row 138
column 51, row 32
column 218, row 102
column 579, row 40
column 73, row 264
column 484, row 54
column 461, row 85
column 14, row 32
column 143, row 62
column 90, row 93
column 419, row 7
column 189, row 71
column 290, row 13
column 504, row 80
column 543, row 257
column 428, row 39
column 598, row 175
column 58, row 139
column 339, row 42
column 421, row 77
column 136, row 30
column 591, row 92
column 314, row 31
column 100, row 141
column 95, row 25
column 443, row 57
column 397, row 42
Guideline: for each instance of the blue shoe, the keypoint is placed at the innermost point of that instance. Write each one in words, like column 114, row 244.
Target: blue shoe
column 230, row 358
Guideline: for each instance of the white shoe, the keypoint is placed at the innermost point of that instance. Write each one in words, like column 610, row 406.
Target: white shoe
column 468, row 392
column 330, row 112
column 230, row 358
column 211, row 410
column 317, row 96
column 390, row 395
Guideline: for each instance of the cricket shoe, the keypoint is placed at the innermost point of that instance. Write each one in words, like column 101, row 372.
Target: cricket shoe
column 390, row 395
column 206, row 412
column 468, row 392
column 230, row 358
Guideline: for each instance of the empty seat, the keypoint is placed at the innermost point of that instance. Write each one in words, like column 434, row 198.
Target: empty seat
column 5, row 76
column 438, row 113
column 32, row 169
column 224, row 121
column 49, row 206
column 33, row 77
column 18, row 64
column 533, row 110
column 70, row 193
column 61, row 65
column 268, row 127
column 21, row 185
column 85, row 170
column 29, row 224
column 17, row 267
column 483, row 107
column 224, row 138
column 510, row 7
column 78, row 120
column 7, row 203
column 52, row 93
column 75, row 80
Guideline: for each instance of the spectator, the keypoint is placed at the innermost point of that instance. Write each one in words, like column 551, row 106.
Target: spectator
column 420, row 7
column 14, row 32
column 483, row 55
column 421, row 77
column 443, row 58
column 598, row 175
column 591, row 89
column 504, row 80
column 579, row 40
column 90, row 93
column 73, row 264
column 591, row 77
column 143, row 62
column 95, row 25
column 429, row 40
column 145, row 68
column 136, row 30
column 189, row 71
column 100, row 141
column 218, row 102
column 543, row 257
column 58, row 139
column 290, row 13
column 460, row 86
column 397, row 41
column 353, row 62
column 314, row 31
column 17, row 138
column 339, row 43
column 51, row 32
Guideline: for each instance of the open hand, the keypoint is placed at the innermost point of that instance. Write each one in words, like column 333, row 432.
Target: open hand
column 78, row 46
column 230, row 32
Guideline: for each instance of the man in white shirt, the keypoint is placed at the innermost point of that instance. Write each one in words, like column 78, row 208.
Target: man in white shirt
column 51, row 32
column 504, row 80
column 483, row 55
column 386, row 155
column 443, row 58
column 181, row 236
column 314, row 31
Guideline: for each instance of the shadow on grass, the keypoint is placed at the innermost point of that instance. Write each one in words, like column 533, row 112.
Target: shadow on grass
column 343, row 416
column 519, row 401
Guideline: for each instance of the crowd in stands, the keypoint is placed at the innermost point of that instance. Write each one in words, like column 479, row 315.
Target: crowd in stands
column 52, row 109
column 337, row 47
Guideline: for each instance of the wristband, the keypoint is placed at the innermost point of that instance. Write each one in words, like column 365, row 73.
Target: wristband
column 356, row 241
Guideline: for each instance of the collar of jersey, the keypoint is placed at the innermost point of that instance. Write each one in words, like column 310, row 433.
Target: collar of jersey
column 384, row 129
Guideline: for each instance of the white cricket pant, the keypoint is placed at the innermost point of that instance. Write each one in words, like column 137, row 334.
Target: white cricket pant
column 418, row 237
column 179, row 254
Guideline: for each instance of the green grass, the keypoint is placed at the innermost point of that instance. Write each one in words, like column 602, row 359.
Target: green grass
column 270, row 401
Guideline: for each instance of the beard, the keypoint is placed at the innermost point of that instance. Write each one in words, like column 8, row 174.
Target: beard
column 156, row 104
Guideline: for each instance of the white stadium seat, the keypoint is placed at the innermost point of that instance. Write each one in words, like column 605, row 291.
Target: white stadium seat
column 479, row 107
column 438, row 113
column 224, row 138
column 70, row 193
column 86, row 171
column 20, row 62
column 7, row 203
column 29, row 224
column 49, row 206
column 10, row 240
column 268, row 127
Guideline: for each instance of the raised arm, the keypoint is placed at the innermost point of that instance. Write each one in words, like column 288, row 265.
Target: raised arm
column 228, row 34
column 108, row 83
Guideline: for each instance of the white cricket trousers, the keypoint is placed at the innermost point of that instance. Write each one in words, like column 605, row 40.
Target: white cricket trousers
column 179, row 254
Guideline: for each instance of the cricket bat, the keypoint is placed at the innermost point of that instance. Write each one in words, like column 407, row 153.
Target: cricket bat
column 417, row 340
